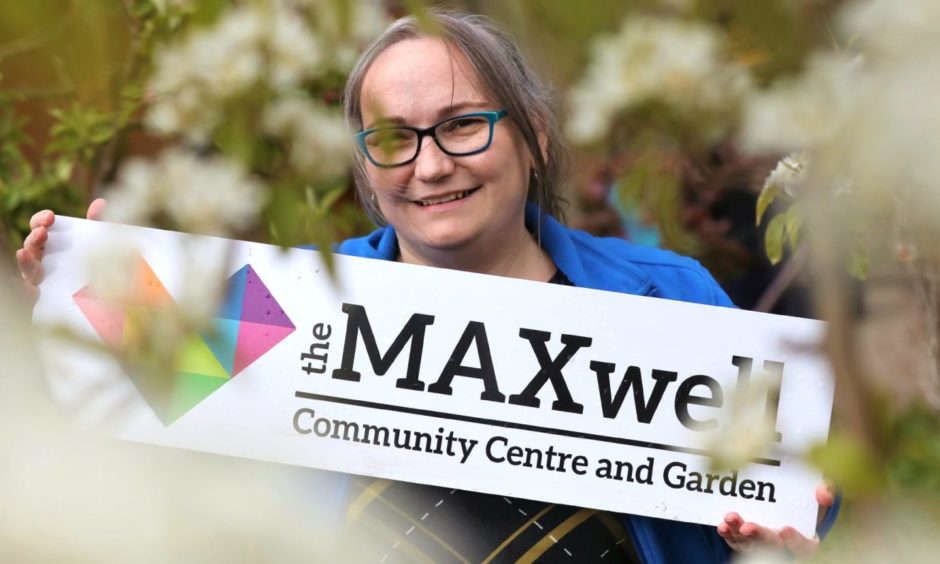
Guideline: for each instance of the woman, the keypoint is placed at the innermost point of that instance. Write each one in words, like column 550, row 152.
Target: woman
column 459, row 161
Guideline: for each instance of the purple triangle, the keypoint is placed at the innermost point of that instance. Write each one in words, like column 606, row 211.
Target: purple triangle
column 259, row 306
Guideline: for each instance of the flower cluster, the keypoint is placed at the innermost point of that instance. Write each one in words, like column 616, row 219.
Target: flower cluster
column 789, row 174
column 261, row 47
column 883, row 28
column 248, row 45
column 803, row 111
column 318, row 138
column 685, row 64
column 207, row 195
column 752, row 430
column 867, row 115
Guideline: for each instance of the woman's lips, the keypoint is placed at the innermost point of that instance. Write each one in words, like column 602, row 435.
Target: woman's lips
column 445, row 199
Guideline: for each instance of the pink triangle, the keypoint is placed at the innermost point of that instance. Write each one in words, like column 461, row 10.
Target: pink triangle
column 255, row 339
column 106, row 317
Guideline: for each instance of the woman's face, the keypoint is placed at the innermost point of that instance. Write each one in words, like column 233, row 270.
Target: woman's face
column 419, row 82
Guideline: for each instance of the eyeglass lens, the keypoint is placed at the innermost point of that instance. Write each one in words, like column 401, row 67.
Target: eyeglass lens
column 458, row 136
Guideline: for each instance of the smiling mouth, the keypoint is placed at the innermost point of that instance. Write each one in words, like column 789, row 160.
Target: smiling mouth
column 447, row 198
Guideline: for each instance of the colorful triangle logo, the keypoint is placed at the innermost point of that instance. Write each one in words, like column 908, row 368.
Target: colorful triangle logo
column 250, row 322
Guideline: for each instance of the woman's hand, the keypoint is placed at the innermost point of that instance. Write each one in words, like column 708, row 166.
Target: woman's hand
column 743, row 536
column 30, row 256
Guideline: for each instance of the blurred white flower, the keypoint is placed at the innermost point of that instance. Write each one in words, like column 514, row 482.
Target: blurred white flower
column 799, row 112
column 890, row 28
column 294, row 51
column 320, row 142
column 679, row 5
column 684, row 64
column 867, row 119
column 76, row 496
column 186, row 111
column 162, row 5
column 111, row 268
column 261, row 42
column 208, row 195
column 349, row 29
column 888, row 143
column 751, row 431
column 789, row 174
column 226, row 60
column 203, row 287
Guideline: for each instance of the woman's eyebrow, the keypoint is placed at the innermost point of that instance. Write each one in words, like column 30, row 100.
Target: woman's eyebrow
column 443, row 113
column 462, row 106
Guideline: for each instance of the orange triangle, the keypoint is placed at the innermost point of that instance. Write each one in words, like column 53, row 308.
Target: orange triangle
column 147, row 289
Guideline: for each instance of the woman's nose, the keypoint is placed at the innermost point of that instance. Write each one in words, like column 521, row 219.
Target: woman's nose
column 432, row 163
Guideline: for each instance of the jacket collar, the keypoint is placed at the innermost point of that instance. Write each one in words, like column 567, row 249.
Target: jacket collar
column 580, row 256
column 584, row 259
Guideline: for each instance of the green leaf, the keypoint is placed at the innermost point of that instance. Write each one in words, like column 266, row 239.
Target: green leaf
column 767, row 196
column 794, row 222
column 858, row 263
column 773, row 238
column 847, row 462
column 331, row 197
column 63, row 169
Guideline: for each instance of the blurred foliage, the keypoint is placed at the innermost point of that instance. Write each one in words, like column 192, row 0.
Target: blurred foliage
column 73, row 91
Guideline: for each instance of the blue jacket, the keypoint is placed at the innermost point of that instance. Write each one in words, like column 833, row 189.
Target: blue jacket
column 590, row 262
column 617, row 266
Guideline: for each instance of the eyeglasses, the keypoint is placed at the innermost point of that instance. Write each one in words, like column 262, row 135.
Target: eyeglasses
column 458, row 136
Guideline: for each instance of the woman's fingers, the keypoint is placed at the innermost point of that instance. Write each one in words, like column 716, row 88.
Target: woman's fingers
column 96, row 208
column 29, row 257
column 43, row 218
column 744, row 536
column 797, row 544
column 30, row 267
column 825, row 494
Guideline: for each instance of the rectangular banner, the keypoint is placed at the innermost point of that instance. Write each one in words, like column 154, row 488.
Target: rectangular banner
column 497, row 385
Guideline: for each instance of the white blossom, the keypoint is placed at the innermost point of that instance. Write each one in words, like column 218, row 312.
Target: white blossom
column 364, row 21
column 789, row 174
column 207, row 195
column 751, row 431
column 163, row 5
column 888, row 144
column 319, row 139
column 800, row 112
column 683, row 64
column 249, row 46
column 889, row 27
column 188, row 111
column 227, row 60
column 295, row 52
column 110, row 270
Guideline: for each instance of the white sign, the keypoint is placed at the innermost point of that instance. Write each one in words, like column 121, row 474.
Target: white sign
column 517, row 388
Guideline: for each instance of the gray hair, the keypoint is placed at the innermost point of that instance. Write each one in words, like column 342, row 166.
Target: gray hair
column 504, row 75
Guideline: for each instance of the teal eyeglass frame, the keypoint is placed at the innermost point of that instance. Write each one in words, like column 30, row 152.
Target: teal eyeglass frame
column 492, row 117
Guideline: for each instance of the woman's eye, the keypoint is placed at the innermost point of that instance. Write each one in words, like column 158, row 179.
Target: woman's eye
column 389, row 137
column 464, row 124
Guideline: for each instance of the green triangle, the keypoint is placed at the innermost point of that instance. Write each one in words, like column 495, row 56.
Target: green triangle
column 197, row 358
column 155, row 386
column 190, row 389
